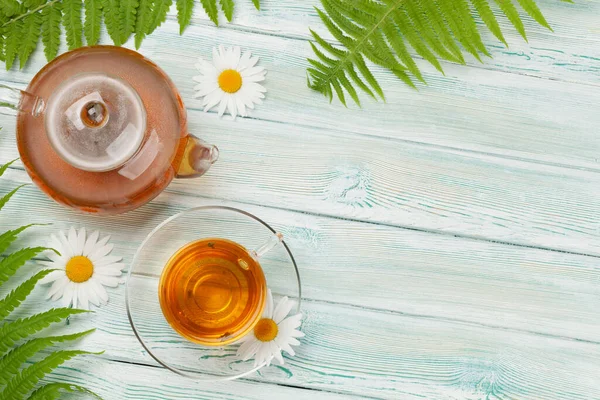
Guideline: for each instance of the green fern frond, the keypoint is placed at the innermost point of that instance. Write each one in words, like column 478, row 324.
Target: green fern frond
column 144, row 19
column 4, row 167
column 159, row 14
column 93, row 21
column 10, row 194
column 227, row 7
column 129, row 9
column 12, row 42
column 111, row 10
column 72, row 22
column 51, row 23
column 12, row 361
column 52, row 391
column 381, row 31
column 185, row 9
column 30, row 37
column 8, row 237
column 10, row 7
column 26, row 379
column 24, row 327
column 16, row 296
column 11, row 263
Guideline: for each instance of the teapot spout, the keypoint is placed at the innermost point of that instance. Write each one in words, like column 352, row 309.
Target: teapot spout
column 195, row 157
column 14, row 100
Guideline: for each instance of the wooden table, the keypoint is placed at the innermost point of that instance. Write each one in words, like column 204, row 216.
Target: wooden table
column 448, row 240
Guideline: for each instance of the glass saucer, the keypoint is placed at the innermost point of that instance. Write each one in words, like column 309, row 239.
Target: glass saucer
column 151, row 328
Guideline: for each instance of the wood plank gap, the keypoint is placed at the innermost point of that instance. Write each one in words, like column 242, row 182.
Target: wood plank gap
column 379, row 223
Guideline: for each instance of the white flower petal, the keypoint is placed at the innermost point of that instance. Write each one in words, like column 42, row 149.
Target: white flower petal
column 268, row 311
column 290, row 323
column 231, row 106
column 100, row 252
column 207, row 89
column 81, row 240
column 93, row 296
column 253, row 71
column 90, row 243
column 297, row 334
column 247, row 349
column 58, row 287
column 107, row 260
column 99, row 290
column 68, row 294
column 117, row 266
column 213, row 99
column 76, row 297
column 282, row 310
column 51, row 277
column 244, row 61
column 223, row 106
column 65, row 249
column 109, row 281
column 107, row 272
column 253, row 79
column 83, row 296
column 252, row 62
column 102, row 241
column 286, row 347
column 277, row 355
column 293, row 341
column 73, row 241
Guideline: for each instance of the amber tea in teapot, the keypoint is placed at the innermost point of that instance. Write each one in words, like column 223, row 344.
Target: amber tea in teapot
column 104, row 130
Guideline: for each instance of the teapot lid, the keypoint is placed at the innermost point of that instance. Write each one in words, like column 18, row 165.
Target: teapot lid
column 95, row 122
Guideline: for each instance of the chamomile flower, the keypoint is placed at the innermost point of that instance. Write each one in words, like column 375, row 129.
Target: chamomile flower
column 83, row 268
column 230, row 81
column 273, row 333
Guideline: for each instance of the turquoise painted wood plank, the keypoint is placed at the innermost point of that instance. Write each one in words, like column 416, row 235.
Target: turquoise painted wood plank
column 350, row 350
column 378, row 267
column 494, row 112
column 122, row 381
column 377, row 180
column 569, row 53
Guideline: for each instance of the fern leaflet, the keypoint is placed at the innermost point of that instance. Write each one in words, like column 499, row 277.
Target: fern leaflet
column 7, row 197
column 23, row 327
column 12, row 42
column 51, row 19
column 256, row 4
column 380, row 31
column 15, row 297
column 26, row 379
column 10, row 236
column 227, row 6
column 128, row 12
column 186, row 7
column 4, row 167
column 10, row 363
column 72, row 22
column 112, row 20
column 30, row 36
column 144, row 19
column 159, row 14
column 93, row 21
column 10, row 264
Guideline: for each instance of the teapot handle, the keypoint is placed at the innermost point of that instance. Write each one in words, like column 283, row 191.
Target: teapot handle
column 194, row 158
column 12, row 100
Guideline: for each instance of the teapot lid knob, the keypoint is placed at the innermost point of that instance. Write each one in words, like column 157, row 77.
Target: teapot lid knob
column 95, row 122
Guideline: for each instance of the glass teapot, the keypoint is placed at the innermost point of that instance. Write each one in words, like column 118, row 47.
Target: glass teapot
column 104, row 130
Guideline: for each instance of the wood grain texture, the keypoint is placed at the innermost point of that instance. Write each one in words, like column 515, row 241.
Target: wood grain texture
column 394, row 212
column 382, row 267
column 376, row 180
column 384, row 355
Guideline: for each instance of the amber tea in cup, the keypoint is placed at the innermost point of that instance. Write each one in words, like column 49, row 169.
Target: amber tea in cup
column 213, row 291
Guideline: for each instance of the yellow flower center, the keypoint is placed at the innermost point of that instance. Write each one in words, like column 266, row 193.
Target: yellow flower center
column 79, row 269
column 266, row 330
column 230, row 81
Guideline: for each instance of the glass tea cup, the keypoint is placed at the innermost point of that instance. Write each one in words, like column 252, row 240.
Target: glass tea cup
column 188, row 350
